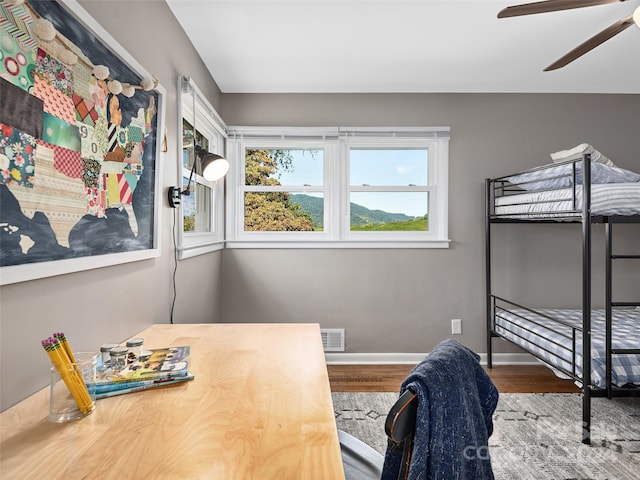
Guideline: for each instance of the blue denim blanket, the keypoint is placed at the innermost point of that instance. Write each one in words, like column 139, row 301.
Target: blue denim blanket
column 456, row 402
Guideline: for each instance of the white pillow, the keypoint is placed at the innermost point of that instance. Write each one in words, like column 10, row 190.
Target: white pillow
column 576, row 153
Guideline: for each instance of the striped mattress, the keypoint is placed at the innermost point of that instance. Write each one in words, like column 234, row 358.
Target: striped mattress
column 556, row 344
column 606, row 199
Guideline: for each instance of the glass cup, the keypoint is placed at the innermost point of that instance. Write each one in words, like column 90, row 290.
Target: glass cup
column 72, row 391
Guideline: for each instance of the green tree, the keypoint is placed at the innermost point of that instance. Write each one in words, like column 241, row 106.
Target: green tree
column 271, row 211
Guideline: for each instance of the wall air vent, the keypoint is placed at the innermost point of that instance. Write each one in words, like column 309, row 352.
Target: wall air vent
column 332, row 339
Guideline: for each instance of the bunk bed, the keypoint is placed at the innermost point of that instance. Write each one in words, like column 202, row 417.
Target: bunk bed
column 583, row 192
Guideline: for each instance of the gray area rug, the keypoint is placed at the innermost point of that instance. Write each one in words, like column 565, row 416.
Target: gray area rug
column 536, row 436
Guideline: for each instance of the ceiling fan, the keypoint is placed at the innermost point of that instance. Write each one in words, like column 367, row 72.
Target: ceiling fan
column 557, row 5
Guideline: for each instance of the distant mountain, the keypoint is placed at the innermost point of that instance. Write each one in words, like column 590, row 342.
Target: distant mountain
column 311, row 205
column 363, row 216
column 360, row 215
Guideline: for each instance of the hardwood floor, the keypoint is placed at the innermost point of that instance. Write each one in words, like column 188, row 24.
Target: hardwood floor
column 388, row 378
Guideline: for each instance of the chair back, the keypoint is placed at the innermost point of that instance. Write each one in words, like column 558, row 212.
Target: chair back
column 400, row 427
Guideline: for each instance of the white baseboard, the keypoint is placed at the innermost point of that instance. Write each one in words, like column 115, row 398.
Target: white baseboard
column 415, row 358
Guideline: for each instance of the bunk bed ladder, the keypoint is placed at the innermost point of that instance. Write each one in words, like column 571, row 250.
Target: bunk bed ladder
column 608, row 229
column 586, row 300
column 609, row 304
column 487, row 262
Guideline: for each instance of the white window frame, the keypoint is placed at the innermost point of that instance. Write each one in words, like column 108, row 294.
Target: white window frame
column 436, row 187
column 336, row 143
column 328, row 192
column 196, row 109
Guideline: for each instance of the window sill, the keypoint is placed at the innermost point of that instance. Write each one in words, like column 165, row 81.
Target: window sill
column 194, row 251
column 340, row 244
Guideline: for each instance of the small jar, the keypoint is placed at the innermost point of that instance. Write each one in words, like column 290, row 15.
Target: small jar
column 145, row 355
column 135, row 347
column 118, row 358
column 105, row 355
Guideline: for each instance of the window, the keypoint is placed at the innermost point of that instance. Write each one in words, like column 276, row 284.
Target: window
column 202, row 211
column 338, row 187
column 197, row 207
column 284, row 189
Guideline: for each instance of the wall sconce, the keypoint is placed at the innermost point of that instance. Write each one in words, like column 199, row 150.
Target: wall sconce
column 213, row 167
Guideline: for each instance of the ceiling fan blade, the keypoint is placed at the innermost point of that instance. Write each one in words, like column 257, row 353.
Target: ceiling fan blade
column 592, row 43
column 549, row 6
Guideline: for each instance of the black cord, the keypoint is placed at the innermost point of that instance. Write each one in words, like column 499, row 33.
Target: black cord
column 175, row 266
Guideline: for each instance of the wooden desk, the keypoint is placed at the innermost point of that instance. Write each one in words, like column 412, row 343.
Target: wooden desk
column 259, row 408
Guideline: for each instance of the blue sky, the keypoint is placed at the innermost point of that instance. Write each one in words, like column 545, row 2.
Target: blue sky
column 375, row 167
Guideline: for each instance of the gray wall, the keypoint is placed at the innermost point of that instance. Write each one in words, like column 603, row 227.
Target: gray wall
column 114, row 303
column 403, row 300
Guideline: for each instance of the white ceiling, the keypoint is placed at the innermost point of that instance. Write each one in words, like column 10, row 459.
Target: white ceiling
column 406, row 46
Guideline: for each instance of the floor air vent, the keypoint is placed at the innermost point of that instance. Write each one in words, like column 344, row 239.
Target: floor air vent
column 332, row 339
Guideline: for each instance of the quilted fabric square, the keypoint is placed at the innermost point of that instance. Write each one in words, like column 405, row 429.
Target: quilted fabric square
column 15, row 20
column 85, row 110
column 60, row 133
column 17, row 63
column 17, row 156
column 135, row 134
column 119, row 191
column 67, row 162
column 96, row 202
column 55, row 102
column 81, row 77
column 54, row 72
column 20, row 110
column 91, row 172
column 90, row 147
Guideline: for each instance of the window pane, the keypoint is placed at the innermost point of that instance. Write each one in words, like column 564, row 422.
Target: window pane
column 283, row 212
column 389, row 211
column 187, row 143
column 288, row 167
column 202, row 141
column 197, row 208
column 388, row 166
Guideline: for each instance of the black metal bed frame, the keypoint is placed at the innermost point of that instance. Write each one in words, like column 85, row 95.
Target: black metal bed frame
column 502, row 187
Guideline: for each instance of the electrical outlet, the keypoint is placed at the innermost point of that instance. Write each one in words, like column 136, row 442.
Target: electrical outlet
column 456, row 326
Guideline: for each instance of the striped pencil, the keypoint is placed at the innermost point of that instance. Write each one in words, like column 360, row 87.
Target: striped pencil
column 76, row 374
column 72, row 376
column 65, row 344
column 69, row 373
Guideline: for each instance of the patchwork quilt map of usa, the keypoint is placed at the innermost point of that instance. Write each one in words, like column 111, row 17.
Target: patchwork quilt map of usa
column 77, row 161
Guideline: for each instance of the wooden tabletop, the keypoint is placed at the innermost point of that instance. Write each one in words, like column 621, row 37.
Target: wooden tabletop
column 259, row 408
